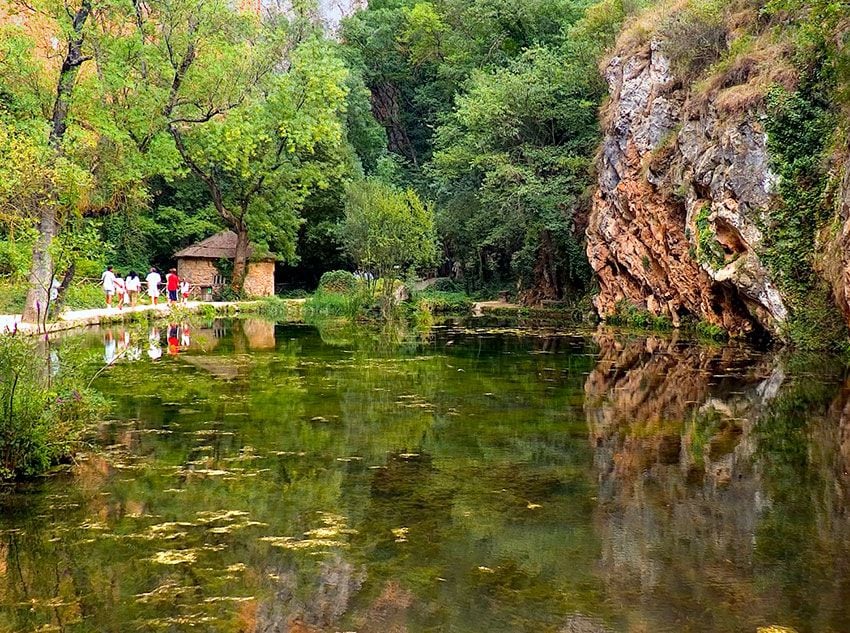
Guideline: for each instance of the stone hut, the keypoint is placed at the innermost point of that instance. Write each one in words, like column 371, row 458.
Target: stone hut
column 197, row 264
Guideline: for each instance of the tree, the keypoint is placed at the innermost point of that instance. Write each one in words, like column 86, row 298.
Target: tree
column 46, row 128
column 253, row 109
column 388, row 230
column 512, row 164
column 66, row 152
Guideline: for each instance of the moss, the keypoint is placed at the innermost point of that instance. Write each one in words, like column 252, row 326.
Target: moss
column 708, row 250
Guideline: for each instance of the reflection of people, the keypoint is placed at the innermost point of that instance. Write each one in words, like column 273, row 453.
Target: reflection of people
column 172, row 283
column 153, row 280
column 107, row 279
column 173, row 341
column 133, row 285
column 108, row 347
column 154, row 350
column 185, row 340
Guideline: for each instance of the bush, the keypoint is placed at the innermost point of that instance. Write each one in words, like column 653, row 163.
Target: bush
column 629, row 315
column 15, row 257
column 41, row 418
column 695, row 37
column 448, row 285
column 353, row 305
column 12, row 297
column 83, row 296
column 437, row 302
column 338, row 281
column 710, row 331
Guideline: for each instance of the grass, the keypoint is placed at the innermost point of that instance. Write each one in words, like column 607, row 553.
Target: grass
column 442, row 302
column 629, row 315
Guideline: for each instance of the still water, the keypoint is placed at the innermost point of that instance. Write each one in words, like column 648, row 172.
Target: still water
column 277, row 478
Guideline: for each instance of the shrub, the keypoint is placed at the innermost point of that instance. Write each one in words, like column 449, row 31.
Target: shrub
column 353, row 305
column 82, row 296
column 695, row 37
column 437, row 302
column 448, row 285
column 629, row 315
column 711, row 331
column 337, row 281
column 41, row 417
column 12, row 297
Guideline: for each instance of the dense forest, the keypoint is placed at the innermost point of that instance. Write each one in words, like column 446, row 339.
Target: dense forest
column 130, row 129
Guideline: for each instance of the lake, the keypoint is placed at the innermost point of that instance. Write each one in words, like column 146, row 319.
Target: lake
column 279, row 478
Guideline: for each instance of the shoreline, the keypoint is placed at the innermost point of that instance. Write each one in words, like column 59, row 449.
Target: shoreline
column 73, row 319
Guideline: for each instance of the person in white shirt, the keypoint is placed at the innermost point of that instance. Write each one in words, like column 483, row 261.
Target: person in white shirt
column 153, row 280
column 133, row 285
column 184, row 291
column 108, row 281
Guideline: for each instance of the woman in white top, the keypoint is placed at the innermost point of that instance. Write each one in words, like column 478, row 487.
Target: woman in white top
column 153, row 280
column 133, row 285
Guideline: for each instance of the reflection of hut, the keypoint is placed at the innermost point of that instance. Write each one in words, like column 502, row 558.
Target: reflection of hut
column 202, row 266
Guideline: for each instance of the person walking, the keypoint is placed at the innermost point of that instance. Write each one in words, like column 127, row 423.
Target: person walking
column 172, row 285
column 153, row 279
column 184, row 291
column 133, row 285
column 107, row 280
column 120, row 291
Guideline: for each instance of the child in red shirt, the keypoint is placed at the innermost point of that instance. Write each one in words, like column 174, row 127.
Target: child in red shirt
column 172, row 284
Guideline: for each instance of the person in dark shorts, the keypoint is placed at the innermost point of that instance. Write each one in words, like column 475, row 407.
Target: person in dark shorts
column 172, row 285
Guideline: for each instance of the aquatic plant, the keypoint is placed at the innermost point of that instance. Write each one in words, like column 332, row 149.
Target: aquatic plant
column 42, row 415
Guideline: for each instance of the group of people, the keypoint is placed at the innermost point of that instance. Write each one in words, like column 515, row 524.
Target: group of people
column 126, row 290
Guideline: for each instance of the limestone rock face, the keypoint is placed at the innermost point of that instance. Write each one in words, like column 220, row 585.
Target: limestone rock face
column 674, row 224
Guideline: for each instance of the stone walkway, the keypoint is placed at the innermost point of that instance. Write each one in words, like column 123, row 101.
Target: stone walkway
column 81, row 318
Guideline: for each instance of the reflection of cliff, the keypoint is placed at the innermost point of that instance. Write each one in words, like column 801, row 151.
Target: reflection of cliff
column 678, row 498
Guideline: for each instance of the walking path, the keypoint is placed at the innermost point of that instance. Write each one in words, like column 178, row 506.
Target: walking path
column 81, row 318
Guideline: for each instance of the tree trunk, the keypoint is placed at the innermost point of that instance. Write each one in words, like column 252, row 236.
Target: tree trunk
column 41, row 273
column 240, row 263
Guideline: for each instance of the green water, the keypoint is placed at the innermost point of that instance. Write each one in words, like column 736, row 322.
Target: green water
column 283, row 479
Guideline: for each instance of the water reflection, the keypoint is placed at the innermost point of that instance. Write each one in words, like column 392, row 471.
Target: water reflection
column 276, row 479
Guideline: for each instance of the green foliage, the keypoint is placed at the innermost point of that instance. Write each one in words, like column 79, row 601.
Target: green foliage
column 351, row 306
column 629, row 315
column 273, row 309
column 799, row 127
column 441, row 302
column 708, row 249
column 337, row 281
column 695, row 36
column 710, row 331
column 512, row 164
column 12, row 296
column 84, row 296
column 16, row 254
column 388, row 230
column 41, row 417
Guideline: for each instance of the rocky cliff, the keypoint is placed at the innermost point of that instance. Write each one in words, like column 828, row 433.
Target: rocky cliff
column 683, row 184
